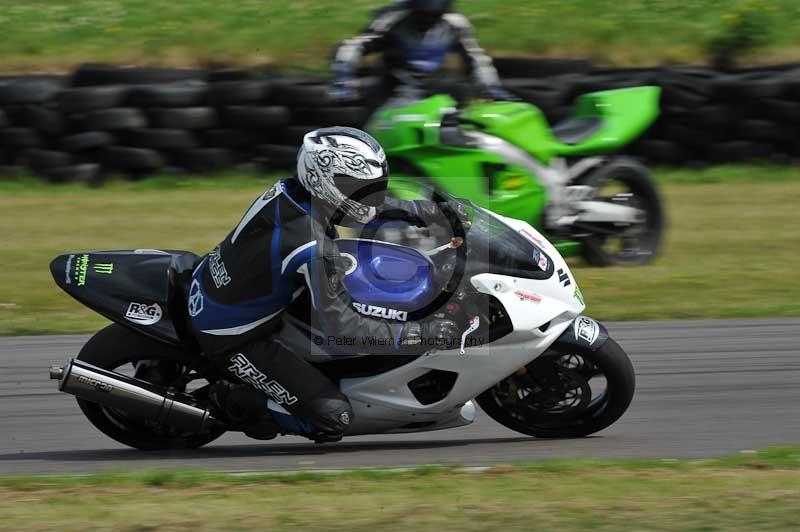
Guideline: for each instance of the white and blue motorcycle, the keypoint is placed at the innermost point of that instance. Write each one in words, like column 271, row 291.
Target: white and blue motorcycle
column 527, row 355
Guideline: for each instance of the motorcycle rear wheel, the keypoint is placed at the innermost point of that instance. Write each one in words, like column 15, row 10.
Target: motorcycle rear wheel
column 552, row 396
column 117, row 347
column 620, row 245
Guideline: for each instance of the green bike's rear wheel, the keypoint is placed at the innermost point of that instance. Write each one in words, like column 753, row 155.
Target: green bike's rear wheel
column 624, row 182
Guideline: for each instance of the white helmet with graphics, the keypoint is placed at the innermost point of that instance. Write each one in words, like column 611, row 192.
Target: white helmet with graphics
column 345, row 168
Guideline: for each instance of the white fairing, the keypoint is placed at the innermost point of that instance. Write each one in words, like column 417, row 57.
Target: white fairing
column 384, row 403
column 558, row 298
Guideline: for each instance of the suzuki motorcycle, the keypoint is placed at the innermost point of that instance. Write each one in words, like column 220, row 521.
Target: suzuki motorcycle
column 527, row 355
column 505, row 156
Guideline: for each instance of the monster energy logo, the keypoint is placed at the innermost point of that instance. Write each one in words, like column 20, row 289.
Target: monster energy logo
column 81, row 265
column 104, row 268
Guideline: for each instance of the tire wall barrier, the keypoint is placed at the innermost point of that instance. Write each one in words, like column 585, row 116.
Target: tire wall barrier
column 103, row 121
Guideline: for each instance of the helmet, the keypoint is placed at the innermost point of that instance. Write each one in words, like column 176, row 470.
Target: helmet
column 346, row 169
column 426, row 13
column 439, row 7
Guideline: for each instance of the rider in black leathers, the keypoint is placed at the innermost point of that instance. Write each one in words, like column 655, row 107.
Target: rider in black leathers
column 283, row 247
column 415, row 38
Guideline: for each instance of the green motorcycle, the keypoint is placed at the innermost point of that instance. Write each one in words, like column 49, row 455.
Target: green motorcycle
column 504, row 156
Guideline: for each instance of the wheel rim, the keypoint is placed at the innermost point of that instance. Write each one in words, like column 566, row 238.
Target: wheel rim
column 553, row 391
column 626, row 243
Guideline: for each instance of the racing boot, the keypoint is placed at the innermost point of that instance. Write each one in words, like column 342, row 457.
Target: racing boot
column 244, row 408
column 331, row 417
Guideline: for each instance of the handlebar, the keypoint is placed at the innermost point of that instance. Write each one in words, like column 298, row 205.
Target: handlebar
column 463, row 90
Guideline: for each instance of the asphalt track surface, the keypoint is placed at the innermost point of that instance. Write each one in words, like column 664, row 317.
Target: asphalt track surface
column 705, row 388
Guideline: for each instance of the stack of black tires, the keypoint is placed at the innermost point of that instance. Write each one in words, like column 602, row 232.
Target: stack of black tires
column 103, row 121
column 135, row 121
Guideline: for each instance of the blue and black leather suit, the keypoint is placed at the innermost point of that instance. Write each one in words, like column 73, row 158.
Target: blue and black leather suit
column 282, row 249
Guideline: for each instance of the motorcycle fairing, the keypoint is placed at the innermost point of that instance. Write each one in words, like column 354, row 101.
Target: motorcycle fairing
column 385, row 403
column 135, row 288
column 542, row 309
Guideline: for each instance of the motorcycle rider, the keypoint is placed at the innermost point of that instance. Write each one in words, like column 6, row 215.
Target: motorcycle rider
column 283, row 246
column 415, row 37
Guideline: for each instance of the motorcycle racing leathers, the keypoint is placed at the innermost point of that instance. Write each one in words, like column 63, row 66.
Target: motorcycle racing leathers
column 280, row 249
column 410, row 50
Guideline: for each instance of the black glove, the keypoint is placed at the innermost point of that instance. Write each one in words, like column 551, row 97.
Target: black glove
column 432, row 334
column 500, row 94
column 457, row 216
column 424, row 213
column 343, row 90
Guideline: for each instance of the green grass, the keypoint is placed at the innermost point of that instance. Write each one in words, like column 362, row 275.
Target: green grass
column 730, row 251
column 737, row 173
column 753, row 492
column 55, row 34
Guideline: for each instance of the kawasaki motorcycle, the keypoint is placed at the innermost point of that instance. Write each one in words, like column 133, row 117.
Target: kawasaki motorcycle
column 527, row 355
column 504, row 156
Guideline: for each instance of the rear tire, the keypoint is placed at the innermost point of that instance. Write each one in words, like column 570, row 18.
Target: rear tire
column 646, row 241
column 519, row 414
column 112, row 348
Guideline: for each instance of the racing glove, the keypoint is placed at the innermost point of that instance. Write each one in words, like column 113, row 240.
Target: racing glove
column 344, row 89
column 433, row 334
column 424, row 213
column 500, row 94
column 457, row 216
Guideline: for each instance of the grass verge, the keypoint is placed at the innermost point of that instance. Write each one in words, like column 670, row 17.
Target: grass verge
column 758, row 491
column 56, row 34
column 730, row 251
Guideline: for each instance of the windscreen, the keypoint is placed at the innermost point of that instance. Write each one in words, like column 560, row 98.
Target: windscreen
column 494, row 247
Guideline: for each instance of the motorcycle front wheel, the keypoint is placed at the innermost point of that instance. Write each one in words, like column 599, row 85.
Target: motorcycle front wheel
column 569, row 393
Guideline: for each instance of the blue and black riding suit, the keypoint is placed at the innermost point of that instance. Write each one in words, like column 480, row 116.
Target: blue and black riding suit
column 411, row 50
column 281, row 254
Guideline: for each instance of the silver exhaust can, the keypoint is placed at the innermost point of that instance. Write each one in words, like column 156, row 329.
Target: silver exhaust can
column 132, row 396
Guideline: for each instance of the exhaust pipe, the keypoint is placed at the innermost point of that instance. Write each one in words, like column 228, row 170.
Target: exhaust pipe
column 112, row 389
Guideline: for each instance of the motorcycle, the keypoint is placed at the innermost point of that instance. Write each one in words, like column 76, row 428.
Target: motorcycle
column 527, row 355
column 504, row 156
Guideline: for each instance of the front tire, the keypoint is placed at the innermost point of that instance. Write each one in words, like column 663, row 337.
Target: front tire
column 116, row 347
column 552, row 396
